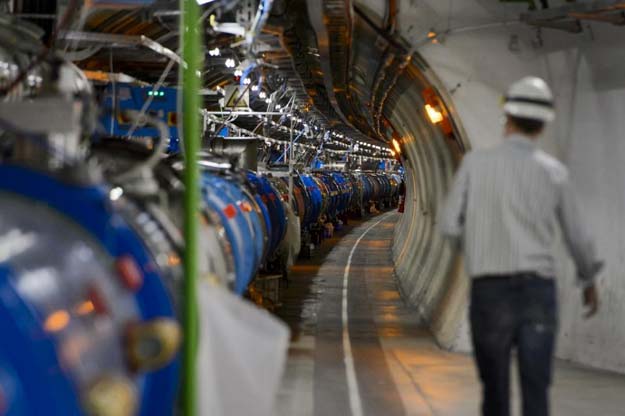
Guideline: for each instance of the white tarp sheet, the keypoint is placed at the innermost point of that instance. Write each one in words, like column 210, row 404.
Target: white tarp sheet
column 290, row 246
column 241, row 356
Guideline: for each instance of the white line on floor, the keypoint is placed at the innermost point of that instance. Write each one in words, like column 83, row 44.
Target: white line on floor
column 355, row 402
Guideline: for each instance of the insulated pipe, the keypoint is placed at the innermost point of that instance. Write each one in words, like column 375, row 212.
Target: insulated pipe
column 264, row 8
column 191, row 54
column 245, row 150
column 159, row 149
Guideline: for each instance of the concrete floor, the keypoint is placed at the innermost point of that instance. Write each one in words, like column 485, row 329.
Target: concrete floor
column 398, row 369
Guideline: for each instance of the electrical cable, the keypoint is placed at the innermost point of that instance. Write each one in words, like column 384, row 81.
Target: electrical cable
column 158, row 151
column 73, row 45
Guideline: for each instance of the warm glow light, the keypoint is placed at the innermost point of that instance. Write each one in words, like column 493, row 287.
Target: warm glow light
column 396, row 146
column 393, row 153
column 85, row 308
column 173, row 260
column 56, row 321
column 434, row 115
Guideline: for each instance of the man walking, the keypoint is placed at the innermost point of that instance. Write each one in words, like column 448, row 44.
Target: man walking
column 504, row 206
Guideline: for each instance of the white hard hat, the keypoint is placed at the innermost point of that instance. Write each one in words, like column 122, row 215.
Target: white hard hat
column 530, row 98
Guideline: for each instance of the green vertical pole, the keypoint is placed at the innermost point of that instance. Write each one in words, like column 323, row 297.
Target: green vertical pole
column 192, row 56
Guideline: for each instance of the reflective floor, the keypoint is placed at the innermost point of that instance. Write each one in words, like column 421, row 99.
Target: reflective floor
column 397, row 369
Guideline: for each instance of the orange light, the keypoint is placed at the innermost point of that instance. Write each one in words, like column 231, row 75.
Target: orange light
column 85, row 308
column 245, row 206
column 396, row 146
column 432, row 34
column 56, row 321
column 434, row 115
column 173, row 260
column 393, row 153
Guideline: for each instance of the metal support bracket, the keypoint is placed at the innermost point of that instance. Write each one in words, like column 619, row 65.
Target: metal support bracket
column 568, row 17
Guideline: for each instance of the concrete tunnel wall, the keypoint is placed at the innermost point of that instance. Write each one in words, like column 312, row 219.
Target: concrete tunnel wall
column 428, row 269
column 587, row 74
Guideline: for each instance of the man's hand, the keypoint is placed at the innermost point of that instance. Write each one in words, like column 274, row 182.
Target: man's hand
column 591, row 301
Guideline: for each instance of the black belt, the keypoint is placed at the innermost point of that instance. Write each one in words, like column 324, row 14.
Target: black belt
column 509, row 277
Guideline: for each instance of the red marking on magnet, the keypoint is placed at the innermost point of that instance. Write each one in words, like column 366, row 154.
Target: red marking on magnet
column 230, row 211
column 129, row 273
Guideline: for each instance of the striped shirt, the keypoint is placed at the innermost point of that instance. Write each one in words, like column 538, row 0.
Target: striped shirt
column 505, row 205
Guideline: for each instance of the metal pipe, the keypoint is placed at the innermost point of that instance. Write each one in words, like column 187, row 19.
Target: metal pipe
column 113, row 40
column 262, row 15
column 243, row 113
column 244, row 149
column 34, row 16
column 291, row 165
column 192, row 55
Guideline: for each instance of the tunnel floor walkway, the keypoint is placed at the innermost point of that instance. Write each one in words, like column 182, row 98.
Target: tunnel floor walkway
column 357, row 349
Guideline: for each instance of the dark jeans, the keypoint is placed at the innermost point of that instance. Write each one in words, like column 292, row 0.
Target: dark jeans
column 507, row 311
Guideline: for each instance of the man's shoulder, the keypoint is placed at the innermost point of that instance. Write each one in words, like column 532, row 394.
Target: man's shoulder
column 556, row 169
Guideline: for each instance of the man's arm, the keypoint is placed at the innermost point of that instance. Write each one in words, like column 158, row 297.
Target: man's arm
column 580, row 245
column 452, row 216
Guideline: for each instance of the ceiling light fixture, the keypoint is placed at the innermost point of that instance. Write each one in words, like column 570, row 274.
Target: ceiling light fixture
column 397, row 146
column 434, row 115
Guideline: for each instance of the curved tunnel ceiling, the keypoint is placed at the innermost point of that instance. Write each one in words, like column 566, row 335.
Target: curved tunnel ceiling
column 357, row 65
